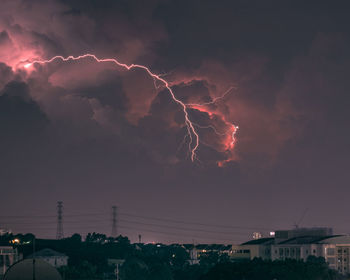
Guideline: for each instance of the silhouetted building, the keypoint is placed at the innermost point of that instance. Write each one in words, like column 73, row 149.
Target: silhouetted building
column 8, row 256
column 52, row 257
column 196, row 251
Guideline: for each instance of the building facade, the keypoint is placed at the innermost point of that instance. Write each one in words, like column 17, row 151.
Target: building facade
column 197, row 251
column 8, row 256
column 52, row 257
column 299, row 244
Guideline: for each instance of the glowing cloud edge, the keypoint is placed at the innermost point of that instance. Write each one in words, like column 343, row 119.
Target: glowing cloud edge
column 191, row 131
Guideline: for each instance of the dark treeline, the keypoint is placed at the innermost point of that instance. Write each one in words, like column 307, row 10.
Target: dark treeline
column 257, row 269
column 91, row 259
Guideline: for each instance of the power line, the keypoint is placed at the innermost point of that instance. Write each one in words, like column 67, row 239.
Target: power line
column 50, row 216
column 183, row 229
column 191, row 236
column 192, row 223
column 144, row 223
column 53, row 222
column 182, row 235
column 164, row 220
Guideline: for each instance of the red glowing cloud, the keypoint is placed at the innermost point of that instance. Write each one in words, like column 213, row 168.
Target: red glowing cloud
column 210, row 99
column 223, row 133
column 228, row 139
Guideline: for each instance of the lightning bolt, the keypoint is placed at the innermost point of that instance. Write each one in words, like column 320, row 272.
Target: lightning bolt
column 215, row 100
column 191, row 131
column 232, row 128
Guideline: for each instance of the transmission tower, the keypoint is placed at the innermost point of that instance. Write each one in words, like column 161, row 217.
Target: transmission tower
column 59, row 234
column 114, row 221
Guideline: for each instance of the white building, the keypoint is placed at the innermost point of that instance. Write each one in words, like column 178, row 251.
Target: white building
column 299, row 244
column 8, row 256
column 334, row 249
column 52, row 257
column 256, row 248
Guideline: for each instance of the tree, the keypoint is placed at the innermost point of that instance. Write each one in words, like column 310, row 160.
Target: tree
column 159, row 271
column 209, row 259
column 75, row 238
column 134, row 269
column 83, row 271
column 96, row 238
column 267, row 270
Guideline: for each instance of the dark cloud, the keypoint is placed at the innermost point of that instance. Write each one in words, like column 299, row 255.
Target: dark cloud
column 22, row 126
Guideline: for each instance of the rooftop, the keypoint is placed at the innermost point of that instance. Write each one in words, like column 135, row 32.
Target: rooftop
column 24, row 270
column 47, row 253
column 260, row 241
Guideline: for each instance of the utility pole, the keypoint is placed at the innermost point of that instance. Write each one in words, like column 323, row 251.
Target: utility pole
column 59, row 234
column 117, row 271
column 114, row 221
column 34, row 258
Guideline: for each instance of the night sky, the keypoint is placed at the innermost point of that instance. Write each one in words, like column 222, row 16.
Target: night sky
column 95, row 135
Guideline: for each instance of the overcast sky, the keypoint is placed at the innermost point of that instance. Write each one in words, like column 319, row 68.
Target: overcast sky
column 95, row 135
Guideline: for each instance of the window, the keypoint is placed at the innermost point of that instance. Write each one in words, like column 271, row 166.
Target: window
column 330, row 251
column 7, row 251
column 7, row 260
column 314, row 251
column 281, row 252
column 287, row 252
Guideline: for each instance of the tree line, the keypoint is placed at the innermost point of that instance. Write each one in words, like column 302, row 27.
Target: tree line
column 90, row 259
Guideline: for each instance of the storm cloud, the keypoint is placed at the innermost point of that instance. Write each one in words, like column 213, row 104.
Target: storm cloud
column 117, row 136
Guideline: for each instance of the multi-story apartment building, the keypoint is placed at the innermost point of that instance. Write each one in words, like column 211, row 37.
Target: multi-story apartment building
column 299, row 244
